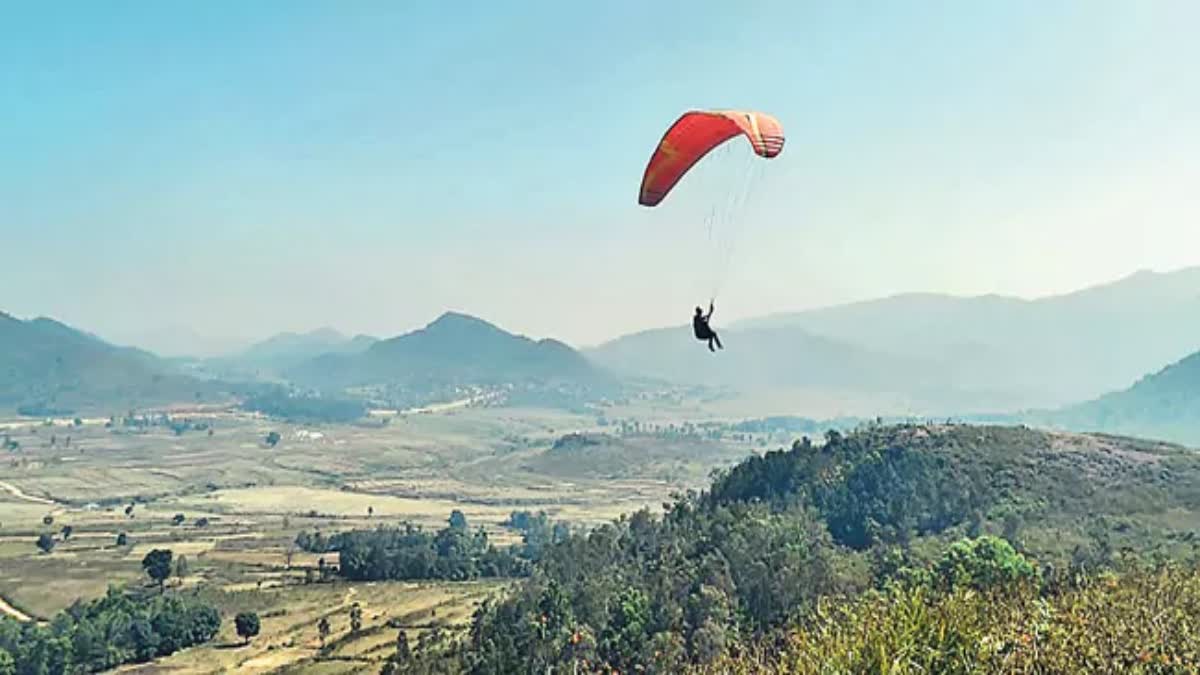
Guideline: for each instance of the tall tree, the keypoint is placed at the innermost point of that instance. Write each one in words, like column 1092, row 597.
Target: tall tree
column 157, row 564
column 323, row 630
column 247, row 625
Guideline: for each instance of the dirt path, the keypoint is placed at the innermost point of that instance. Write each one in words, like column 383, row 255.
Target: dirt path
column 15, row 613
column 16, row 492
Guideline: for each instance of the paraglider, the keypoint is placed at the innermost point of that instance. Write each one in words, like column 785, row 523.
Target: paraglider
column 703, row 331
column 693, row 136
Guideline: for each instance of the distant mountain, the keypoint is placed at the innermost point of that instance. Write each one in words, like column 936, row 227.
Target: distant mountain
column 1164, row 405
column 454, row 351
column 285, row 350
column 753, row 358
column 182, row 342
column 1002, row 352
column 48, row 367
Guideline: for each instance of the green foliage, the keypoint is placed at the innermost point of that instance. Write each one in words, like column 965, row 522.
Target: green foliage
column 247, row 625
column 323, row 630
column 685, row 585
column 409, row 553
column 306, row 408
column 877, row 515
column 983, row 563
column 157, row 564
column 1142, row 621
column 105, row 633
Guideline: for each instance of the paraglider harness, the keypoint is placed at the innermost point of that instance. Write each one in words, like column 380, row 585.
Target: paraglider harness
column 702, row 330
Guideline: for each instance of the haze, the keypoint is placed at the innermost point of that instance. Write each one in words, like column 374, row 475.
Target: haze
column 191, row 177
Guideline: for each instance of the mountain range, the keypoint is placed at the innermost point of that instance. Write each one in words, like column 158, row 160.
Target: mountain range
column 943, row 351
column 455, row 349
column 917, row 353
column 283, row 351
column 47, row 367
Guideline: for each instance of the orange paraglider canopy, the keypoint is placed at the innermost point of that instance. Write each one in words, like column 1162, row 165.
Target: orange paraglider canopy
column 696, row 133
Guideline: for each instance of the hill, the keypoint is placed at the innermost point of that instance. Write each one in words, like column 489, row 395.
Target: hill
column 1000, row 353
column 607, row 457
column 454, row 354
column 280, row 352
column 51, row 368
column 932, row 508
column 782, row 361
column 1165, row 404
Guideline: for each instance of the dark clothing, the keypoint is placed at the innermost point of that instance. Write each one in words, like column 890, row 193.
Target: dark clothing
column 705, row 332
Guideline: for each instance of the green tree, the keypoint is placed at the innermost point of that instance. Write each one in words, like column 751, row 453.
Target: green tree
column 157, row 564
column 356, row 618
column 178, row 519
column 323, row 630
column 66, row 532
column 45, row 541
column 122, row 539
column 272, row 439
column 403, row 651
column 982, row 563
column 247, row 625
column 7, row 665
column 458, row 521
column 47, row 520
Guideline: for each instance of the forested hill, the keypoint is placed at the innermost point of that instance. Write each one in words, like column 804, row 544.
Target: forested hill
column 776, row 533
column 47, row 367
column 454, row 348
column 1165, row 404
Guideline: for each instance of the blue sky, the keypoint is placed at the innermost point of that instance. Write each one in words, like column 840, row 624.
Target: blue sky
column 234, row 169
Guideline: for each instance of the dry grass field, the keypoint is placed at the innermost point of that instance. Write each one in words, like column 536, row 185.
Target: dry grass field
column 240, row 504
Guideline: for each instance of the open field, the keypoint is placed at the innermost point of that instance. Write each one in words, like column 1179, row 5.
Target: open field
column 289, row 637
column 240, row 505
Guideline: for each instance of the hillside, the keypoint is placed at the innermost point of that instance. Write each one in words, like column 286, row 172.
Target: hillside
column 928, row 509
column 608, row 457
column 780, row 361
column 1000, row 353
column 1165, row 405
column 49, row 367
column 455, row 352
column 280, row 352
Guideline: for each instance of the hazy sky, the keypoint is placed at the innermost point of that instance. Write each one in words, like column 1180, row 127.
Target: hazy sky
column 239, row 168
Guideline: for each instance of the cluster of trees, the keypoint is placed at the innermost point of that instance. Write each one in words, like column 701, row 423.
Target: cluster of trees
column 537, row 532
column 284, row 405
column 912, row 510
column 867, row 489
column 409, row 553
column 105, row 633
column 682, row 587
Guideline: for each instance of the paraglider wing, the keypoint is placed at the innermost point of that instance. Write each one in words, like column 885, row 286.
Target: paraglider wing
column 695, row 134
